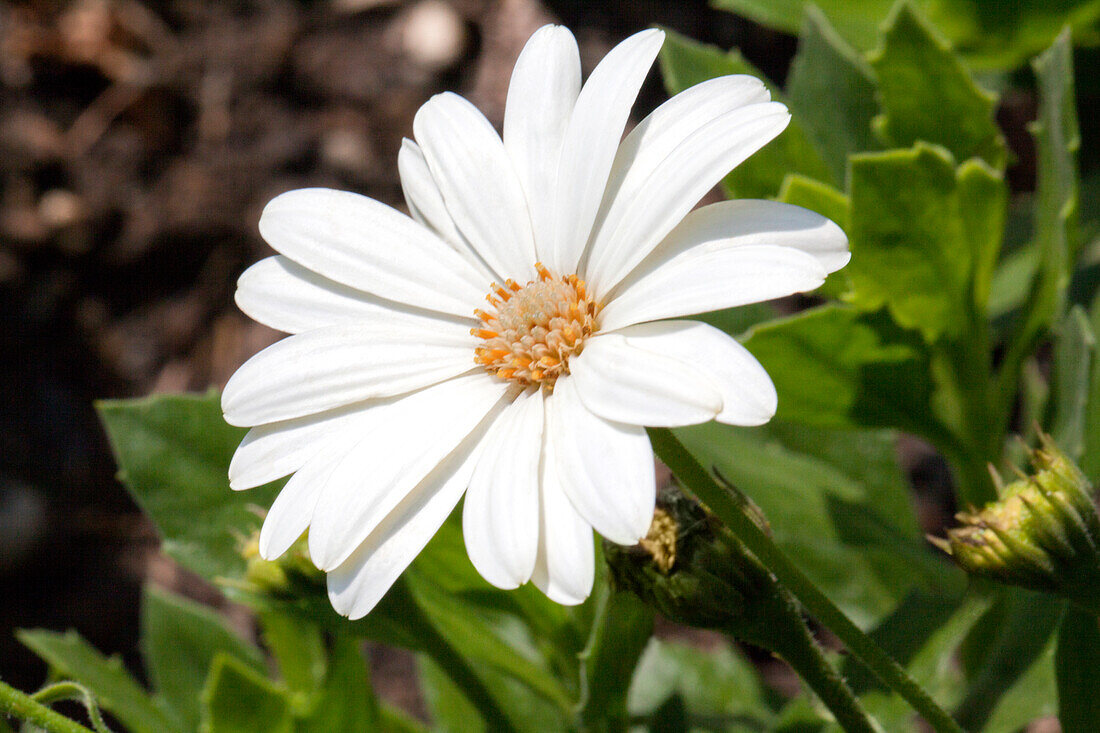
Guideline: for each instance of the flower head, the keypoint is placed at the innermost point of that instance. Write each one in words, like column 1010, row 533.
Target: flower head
column 510, row 339
column 1042, row 533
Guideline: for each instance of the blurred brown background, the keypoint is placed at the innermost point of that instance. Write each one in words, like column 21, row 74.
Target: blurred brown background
column 138, row 143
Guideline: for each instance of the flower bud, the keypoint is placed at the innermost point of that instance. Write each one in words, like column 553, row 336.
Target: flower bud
column 1042, row 533
column 692, row 570
column 292, row 575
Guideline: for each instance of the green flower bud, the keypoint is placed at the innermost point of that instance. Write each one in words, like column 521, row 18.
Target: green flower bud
column 292, row 575
column 692, row 570
column 1042, row 533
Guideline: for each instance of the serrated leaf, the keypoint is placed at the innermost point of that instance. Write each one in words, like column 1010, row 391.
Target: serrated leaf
column 115, row 690
column 991, row 34
column 1057, row 140
column 831, row 90
column 917, row 237
column 173, row 453
column 1071, row 377
column 1076, row 662
column 685, row 63
column 928, row 95
column 179, row 641
column 238, row 699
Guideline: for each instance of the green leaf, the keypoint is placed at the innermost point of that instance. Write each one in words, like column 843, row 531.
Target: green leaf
column 1058, row 140
column 1071, row 377
column 856, row 20
column 1033, row 696
column 299, row 649
column 450, row 710
column 1076, row 662
column 928, row 95
column 173, row 453
column 867, row 372
column 475, row 641
column 924, row 633
column 989, row 33
column 685, row 63
column 1090, row 458
column 999, row 652
column 239, row 699
column 831, row 90
column 114, row 689
column 179, row 641
column 708, row 683
column 845, row 482
column 619, row 636
column 918, row 235
column 347, row 700
column 1058, row 190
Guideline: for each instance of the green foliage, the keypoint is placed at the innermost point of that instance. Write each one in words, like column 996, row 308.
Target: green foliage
column 832, row 89
column 180, row 640
column 1076, row 662
column 238, row 699
column 989, row 33
column 927, row 95
column 173, row 453
column 852, row 529
column 114, row 689
column 918, row 229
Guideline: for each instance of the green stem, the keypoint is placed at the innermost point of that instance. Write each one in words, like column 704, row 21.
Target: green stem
column 805, row 657
column 23, row 706
column 696, row 479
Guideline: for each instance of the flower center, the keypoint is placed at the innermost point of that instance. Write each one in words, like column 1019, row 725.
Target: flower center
column 535, row 328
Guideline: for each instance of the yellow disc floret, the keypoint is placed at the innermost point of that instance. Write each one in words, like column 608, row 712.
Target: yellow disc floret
column 534, row 329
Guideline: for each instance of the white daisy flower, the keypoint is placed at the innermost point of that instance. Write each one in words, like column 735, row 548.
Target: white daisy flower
column 510, row 339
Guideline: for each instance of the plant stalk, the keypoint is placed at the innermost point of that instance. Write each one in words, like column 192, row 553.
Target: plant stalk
column 23, row 706
column 696, row 479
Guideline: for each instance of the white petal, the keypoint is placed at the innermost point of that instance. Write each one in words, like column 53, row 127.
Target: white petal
column 700, row 281
column 565, row 566
column 622, row 383
column 426, row 204
column 357, row 584
column 369, row 246
column 331, row 367
column 544, row 87
column 282, row 294
column 605, row 468
column 748, row 395
column 500, row 518
column 483, row 194
column 422, row 194
column 292, row 510
column 378, row 473
column 271, row 451
column 665, row 129
column 729, row 224
column 644, row 211
column 591, row 140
